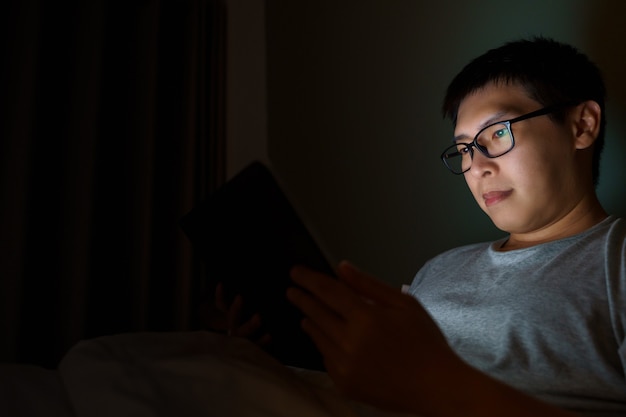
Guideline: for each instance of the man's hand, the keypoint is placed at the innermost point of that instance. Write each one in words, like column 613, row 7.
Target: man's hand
column 230, row 318
column 379, row 345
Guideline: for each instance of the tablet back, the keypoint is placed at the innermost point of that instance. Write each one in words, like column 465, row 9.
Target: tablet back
column 249, row 236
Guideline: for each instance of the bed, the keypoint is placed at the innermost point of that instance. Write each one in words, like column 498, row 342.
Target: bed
column 170, row 374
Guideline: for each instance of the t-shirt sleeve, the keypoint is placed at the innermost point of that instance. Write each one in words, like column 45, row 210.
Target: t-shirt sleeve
column 616, row 284
column 418, row 279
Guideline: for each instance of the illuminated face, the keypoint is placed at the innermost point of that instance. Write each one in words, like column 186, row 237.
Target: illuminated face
column 535, row 184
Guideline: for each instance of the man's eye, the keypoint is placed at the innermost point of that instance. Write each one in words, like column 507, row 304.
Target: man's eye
column 500, row 133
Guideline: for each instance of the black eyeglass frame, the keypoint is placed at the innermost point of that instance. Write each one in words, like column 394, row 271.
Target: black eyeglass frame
column 474, row 143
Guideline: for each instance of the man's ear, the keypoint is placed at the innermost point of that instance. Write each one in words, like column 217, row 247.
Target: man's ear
column 586, row 123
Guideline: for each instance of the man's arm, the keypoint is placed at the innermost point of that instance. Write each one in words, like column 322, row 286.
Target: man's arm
column 382, row 348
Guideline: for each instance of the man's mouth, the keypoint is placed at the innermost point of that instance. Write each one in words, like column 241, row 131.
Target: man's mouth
column 494, row 197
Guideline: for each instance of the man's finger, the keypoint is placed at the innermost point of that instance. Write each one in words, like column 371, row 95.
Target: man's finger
column 330, row 350
column 220, row 300
column 248, row 328
column 317, row 312
column 264, row 340
column 235, row 314
column 329, row 291
column 366, row 285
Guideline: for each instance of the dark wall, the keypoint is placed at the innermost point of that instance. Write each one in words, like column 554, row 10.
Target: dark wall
column 354, row 123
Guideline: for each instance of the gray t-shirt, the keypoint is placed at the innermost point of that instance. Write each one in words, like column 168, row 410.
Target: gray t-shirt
column 549, row 320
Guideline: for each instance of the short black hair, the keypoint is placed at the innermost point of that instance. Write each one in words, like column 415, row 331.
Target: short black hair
column 551, row 72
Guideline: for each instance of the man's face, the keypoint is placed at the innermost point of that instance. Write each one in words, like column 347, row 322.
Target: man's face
column 537, row 182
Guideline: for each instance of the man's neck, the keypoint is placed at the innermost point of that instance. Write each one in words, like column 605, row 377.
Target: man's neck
column 585, row 215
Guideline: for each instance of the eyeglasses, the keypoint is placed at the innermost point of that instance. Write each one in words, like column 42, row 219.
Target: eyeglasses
column 492, row 141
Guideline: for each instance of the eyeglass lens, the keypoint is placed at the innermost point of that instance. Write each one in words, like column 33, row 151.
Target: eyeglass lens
column 492, row 141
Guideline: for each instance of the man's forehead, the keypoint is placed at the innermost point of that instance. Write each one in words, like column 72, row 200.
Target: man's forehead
column 492, row 101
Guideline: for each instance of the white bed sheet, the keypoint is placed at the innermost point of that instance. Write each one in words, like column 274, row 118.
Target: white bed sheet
column 32, row 391
column 171, row 374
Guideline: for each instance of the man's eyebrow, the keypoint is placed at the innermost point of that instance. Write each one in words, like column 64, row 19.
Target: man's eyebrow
column 495, row 118
column 459, row 137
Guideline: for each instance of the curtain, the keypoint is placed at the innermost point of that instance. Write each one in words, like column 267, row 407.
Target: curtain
column 111, row 129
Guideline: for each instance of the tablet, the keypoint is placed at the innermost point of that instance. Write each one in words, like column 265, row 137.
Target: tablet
column 249, row 236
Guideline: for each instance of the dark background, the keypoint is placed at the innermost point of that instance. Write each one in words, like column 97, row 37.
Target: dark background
column 111, row 132
column 116, row 118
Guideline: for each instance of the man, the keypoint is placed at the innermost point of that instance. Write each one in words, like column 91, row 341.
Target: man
column 531, row 325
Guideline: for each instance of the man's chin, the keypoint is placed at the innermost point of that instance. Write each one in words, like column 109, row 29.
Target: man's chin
column 504, row 221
